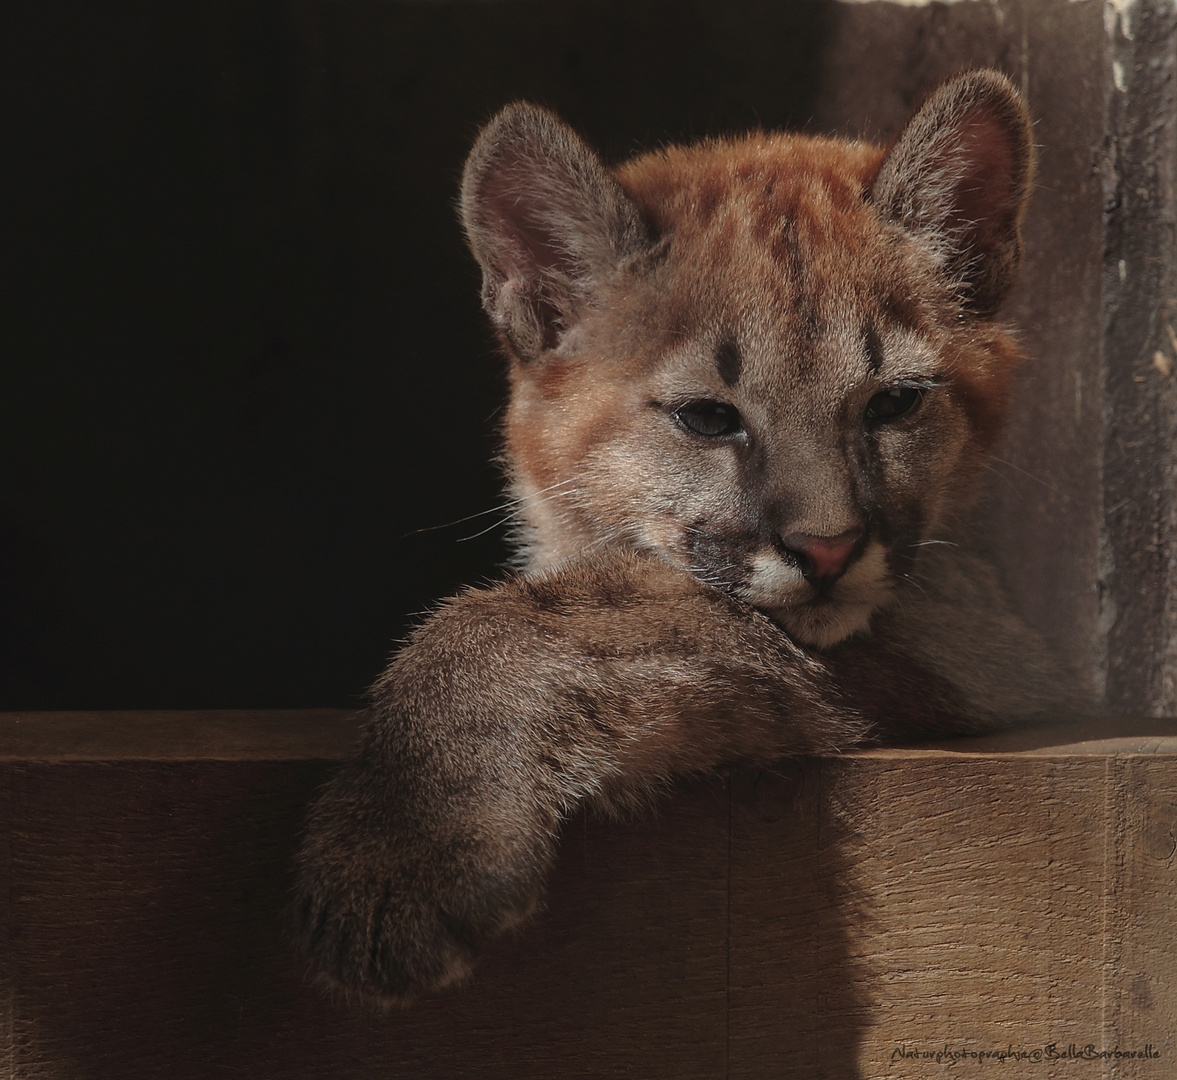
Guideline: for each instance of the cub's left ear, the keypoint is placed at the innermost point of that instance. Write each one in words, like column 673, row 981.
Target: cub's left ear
column 958, row 178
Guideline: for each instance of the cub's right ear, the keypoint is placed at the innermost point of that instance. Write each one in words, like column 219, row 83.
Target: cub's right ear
column 545, row 220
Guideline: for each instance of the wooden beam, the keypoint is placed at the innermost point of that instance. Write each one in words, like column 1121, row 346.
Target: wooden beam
column 822, row 919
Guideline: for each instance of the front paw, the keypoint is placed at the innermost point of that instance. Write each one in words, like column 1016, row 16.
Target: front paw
column 395, row 896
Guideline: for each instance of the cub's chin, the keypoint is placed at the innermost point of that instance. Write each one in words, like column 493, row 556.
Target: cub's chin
column 824, row 621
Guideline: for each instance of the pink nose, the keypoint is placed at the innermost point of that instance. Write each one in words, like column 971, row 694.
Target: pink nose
column 822, row 557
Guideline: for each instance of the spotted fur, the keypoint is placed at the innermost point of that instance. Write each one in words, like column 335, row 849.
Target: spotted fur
column 753, row 382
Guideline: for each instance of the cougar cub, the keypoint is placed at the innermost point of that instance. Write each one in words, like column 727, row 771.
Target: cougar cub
column 753, row 383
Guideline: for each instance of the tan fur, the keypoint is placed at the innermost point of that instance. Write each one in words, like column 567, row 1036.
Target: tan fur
column 730, row 550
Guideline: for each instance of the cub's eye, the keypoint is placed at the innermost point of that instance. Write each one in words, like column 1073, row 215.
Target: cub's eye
column 888, row 405
column 712, row 419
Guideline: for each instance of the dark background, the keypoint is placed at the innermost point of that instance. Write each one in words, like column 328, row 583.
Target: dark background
column 243, row 361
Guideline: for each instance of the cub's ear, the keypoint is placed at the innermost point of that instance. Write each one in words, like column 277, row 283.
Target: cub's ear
column 545, row 220
column 958, row 177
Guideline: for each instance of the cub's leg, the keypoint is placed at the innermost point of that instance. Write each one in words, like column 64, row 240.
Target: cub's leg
column 507, row 709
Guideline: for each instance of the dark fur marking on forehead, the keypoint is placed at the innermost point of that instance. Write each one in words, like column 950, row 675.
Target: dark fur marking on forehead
column 874, row 349
column 729, row 360
column 788, row 252
column 904, row 310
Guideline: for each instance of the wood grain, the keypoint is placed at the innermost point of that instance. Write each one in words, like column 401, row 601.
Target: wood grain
column 179, row 735
column 806, row 922
column 147, row 939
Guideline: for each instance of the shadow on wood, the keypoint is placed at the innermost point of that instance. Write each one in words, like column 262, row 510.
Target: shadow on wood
column 814, row 921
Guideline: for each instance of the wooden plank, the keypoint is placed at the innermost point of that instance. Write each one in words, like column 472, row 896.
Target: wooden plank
column 1015, row 891
column 148, row 942
column 7, row 925
column 981, row 879
column 1140, row 963
column 176, row 735
column 974, row 905
column 787, row 931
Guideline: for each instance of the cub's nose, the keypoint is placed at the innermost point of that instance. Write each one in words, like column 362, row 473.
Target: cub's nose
column 822, row 558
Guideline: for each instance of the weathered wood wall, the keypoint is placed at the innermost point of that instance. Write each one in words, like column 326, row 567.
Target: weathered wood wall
column 1083, row 511
column 815, row 922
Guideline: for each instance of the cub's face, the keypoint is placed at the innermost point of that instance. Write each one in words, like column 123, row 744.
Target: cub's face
column 776, row 383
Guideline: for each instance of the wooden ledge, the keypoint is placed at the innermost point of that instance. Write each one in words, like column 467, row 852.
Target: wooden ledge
column 328, row 735
column 873, row 914
column 174, row 735
column 1105, row 735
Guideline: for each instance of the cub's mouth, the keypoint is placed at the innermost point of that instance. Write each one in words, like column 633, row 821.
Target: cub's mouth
column 820, row 613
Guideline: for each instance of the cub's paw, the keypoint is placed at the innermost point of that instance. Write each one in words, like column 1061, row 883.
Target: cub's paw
column 392, row 902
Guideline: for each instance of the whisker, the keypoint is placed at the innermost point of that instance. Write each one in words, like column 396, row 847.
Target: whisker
column 911, row 580
column 1036, row 479
column 592, row 546
column 1000, row 476
column 493, row 510
column 482, row 532
column 512, row 515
